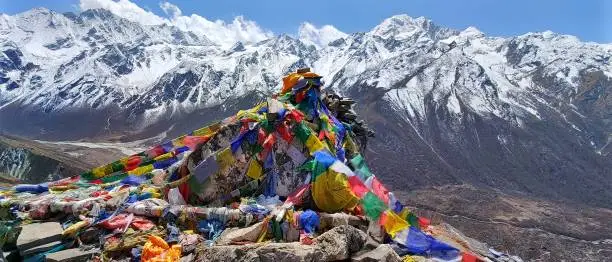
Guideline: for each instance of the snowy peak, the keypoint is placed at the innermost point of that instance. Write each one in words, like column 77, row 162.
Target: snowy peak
column 99, row 59
column 237, row 47
column 472, row 32
column 319, row 37
column 402, row 27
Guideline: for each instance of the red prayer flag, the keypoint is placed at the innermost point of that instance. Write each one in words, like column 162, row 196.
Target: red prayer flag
column 156, row 151
column 358, row 187
column 284, row 132
column 193, row 141
column 424, row 222
column 379, row 190
column 467, row 257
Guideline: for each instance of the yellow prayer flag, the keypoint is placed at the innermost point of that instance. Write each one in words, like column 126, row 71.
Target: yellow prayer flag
column 178, row 142
column 404, row 213
column 102, row 171
column 141, row 170
column 124, row 160
column 332, row 193
column 225, row 158
column 255, row 171
column 314, row 144
column 207, row 130
column 393, row 223
column 163, row 156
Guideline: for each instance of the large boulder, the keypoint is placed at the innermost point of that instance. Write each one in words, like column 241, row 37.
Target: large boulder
column 340, row 242
column 382, row 253
column 329, row 221
column 293, row 251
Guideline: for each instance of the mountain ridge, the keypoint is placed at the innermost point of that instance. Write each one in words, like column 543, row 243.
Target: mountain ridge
column 526, row 115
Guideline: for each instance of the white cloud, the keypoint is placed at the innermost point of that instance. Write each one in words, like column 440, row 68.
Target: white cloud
column 170, row 9
column 319, row 37
column 220, row 32
column 223, row 33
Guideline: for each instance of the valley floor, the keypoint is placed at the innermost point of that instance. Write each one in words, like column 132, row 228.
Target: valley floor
column 534, row 229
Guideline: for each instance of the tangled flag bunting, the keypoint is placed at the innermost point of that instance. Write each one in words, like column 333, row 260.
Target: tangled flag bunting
column 290, row 150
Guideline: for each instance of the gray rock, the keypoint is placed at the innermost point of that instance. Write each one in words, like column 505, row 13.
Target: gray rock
column 37, row 234
column 90, row 235
column 340, row 242
column 188, row 258
column 248, row 234
column 225, row 253
column 329, row 221
column 376, row 232
column 370, row 244
column 382, row 253
column 71, row 255
column 293, row 251
column 39, row 249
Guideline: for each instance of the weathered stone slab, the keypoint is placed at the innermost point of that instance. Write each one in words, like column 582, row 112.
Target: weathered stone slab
column 39, row 249
column 38, row 234
column 71, row 255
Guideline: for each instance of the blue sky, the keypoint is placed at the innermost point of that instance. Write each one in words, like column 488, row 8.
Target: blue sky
column 590, row 20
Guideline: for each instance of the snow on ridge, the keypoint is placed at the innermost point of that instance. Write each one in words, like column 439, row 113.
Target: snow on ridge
column 319, row 37
column 250, row 66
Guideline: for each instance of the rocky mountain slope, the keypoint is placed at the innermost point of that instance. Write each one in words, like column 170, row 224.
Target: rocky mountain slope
column 26, row 161
column 529, row 116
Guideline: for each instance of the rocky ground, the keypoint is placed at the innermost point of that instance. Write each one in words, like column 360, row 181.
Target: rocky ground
column 534, row 229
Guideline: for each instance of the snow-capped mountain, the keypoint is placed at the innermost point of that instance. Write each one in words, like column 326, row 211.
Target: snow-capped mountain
column 527, row 113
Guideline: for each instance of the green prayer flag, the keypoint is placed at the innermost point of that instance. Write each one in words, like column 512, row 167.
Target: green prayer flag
column 117, row 166
column 114, row 177
column 413, row 220
column 360, row 167
column 88, row 175
column 373, row 206
column 302, row 132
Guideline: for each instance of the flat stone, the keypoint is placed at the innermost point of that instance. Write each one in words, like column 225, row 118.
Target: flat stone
column 71, row 255
column 382, row 253
column 39, row 249
column 37, row 234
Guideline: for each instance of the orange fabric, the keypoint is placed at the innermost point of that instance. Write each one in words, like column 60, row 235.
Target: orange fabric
column 310, row 75
column 157, row 250
column 289, row 81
